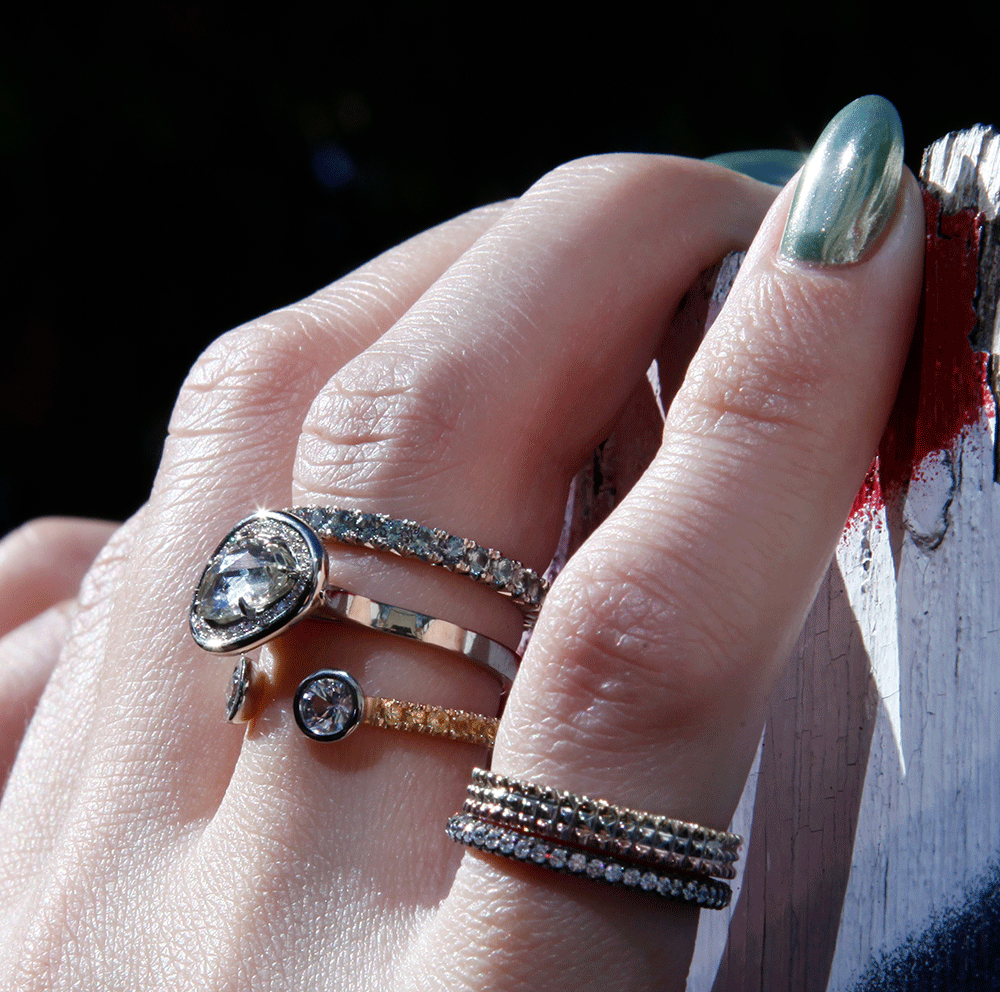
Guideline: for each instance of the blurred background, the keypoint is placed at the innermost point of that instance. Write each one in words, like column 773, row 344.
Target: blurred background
column 176, row 169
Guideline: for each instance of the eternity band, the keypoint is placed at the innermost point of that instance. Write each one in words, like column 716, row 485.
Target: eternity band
column 706, row 893
column 431, row 545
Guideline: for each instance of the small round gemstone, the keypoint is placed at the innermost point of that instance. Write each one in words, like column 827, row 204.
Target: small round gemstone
column 539, row 853
column 523, row 849
column 577, row 862
column 506, row 845
column 479, row 835
column 613, row 873
column 595, row 868
column 648, row 881
column 327, row 706
column 632, row 876
column 558, row 857
column 492, row 840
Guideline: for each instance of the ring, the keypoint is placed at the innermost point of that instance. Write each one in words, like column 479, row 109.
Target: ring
column 329, row 705
column 434, row 546
column 272, row 570
column 595, row 838
column 401, row 622
column 465, row 829
column 597, row 825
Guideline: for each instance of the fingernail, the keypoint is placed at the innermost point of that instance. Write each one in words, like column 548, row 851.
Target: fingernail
column 770, row 165
column 847, row 192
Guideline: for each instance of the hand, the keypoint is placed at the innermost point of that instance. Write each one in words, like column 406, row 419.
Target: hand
column 460, row 380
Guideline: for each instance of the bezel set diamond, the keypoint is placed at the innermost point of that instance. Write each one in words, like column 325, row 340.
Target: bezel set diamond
column 706, row 893
column 267, row 529
column 409, row 539
column 353, row 707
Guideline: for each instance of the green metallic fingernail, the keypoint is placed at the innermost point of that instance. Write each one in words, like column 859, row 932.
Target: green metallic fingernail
column 770, row 165
column 847, row 192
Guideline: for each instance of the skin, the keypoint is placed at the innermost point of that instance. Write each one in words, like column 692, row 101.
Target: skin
column 459, row 380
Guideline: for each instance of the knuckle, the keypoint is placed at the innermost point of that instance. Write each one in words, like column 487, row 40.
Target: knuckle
column 390, row 419
column 763, row 383
column 628, row 647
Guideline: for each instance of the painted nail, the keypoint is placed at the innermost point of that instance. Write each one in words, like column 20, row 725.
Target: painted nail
column 770, row 165
column 847, row 191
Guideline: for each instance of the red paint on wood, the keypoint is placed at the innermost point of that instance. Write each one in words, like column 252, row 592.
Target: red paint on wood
column 945, row 386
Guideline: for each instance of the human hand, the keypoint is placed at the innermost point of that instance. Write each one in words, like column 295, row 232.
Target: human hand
column 460, row 380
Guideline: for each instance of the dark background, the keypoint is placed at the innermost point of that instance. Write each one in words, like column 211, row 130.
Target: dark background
column 171, row 172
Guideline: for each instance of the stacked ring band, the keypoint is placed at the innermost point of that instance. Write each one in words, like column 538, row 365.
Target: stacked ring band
column 433, row 546
column 401, row 622
column 596, row 839
column 330, row 705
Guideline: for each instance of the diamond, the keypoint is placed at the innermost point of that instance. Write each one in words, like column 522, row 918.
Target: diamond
column 478, row 561
column 452, row 549
column 539, row 853
column 523, row 849
column 506, row 845
column 595, row 868
column 327, row 706
column 632, row 876
column 557, row 859
column 648, row 881
column 492, row 840
column 246, row 579
column 577, row 862
column 613, row 873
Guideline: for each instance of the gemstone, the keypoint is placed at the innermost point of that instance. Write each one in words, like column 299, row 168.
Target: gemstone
column 648, row 881
column 478, row 561
column 632, row 876
column 613, row 873
column 523, row 849
column 577, row 862
column 595, row 868
column 246, row 579
column 557, row 859
column 539, row 853
column 327, row 706
column 239, row 684
column 507, row 842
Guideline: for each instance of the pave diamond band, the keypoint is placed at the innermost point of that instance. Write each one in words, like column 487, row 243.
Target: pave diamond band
column 431, row 545
column 330, row 705
column 466, row 829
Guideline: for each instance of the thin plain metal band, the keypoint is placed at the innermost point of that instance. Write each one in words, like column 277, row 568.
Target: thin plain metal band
column 584, row 805
column 707, row 893
column 402, row 622
column 623, row 851
column 409, row 539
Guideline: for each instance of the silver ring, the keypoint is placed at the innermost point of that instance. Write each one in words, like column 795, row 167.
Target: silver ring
column 271, row 571
column 401, row 622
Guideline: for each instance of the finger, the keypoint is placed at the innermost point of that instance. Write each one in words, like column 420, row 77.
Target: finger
column 42, row 563
column 645, row 680
column 27, row 656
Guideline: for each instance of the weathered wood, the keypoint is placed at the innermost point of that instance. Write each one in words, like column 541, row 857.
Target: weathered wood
column 873, row 809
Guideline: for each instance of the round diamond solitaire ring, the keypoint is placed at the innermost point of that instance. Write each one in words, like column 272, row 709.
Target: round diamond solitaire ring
column 330, row 704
